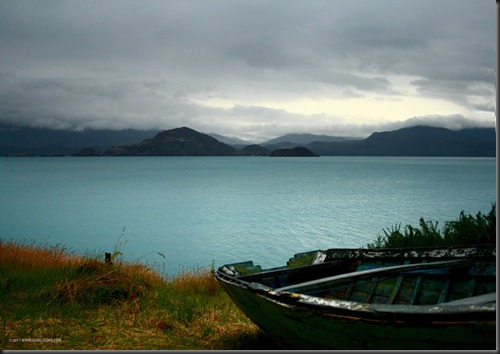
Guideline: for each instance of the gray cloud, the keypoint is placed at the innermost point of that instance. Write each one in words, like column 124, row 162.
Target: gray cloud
column 151, row 64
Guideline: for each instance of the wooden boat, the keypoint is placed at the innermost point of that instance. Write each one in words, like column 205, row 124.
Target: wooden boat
column 355, row 299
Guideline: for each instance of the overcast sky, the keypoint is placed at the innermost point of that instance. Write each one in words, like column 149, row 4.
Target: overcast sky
column 252, row 69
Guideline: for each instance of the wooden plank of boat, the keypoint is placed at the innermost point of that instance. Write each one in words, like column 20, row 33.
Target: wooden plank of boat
column 299, row 320
column 489, row 298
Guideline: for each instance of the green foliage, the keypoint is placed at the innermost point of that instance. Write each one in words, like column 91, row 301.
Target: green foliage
column 471, row 230
column 467, row 230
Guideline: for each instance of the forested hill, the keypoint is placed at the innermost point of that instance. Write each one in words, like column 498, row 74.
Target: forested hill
column 175, row 142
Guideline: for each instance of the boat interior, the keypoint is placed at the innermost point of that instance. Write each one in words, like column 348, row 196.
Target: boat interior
column 462, row 278
column 449, row 281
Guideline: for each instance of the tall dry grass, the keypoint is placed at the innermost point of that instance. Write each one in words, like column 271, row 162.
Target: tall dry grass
column 31, row 256
column 83, row 303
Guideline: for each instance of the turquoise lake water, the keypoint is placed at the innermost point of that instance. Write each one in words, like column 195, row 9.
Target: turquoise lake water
column 199, row 211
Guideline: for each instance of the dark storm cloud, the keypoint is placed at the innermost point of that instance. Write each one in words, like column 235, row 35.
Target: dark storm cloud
column 152, row 64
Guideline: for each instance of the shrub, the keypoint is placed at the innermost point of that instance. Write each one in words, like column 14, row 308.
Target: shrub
column 467, row 230
column 471, row 230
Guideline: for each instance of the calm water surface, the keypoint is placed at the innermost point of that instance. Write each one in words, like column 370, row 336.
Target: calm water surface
column 199, row 210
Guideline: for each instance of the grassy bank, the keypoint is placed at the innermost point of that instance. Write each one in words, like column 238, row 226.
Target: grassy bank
column 50, row 299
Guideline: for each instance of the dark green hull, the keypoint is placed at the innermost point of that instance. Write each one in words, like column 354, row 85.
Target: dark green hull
column 308, row 329
column 298, row 320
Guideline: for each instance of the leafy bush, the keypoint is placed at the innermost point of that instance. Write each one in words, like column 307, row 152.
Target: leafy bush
column 467, row 230
column 471, row 230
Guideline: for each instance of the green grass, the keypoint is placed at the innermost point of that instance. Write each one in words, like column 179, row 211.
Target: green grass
column 52, row 300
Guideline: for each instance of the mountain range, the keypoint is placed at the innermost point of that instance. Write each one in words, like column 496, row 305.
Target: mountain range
column 412, row 141
column 415, row 141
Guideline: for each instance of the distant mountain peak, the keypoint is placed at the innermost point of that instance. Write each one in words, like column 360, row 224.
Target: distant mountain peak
column 180, row 131
column 230, row 140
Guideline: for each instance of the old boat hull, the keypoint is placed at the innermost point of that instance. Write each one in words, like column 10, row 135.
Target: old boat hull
column 295, row 327
column 298, row 321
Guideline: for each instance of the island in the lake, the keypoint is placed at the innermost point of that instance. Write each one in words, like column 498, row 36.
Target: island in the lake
column 294, row 152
